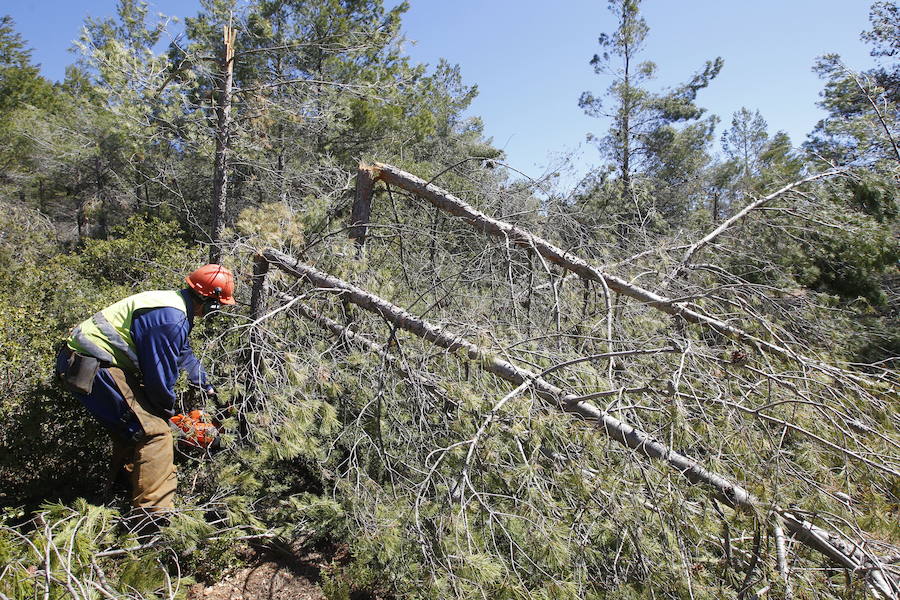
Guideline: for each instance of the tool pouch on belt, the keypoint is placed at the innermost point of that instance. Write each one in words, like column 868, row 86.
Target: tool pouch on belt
column 76, row 371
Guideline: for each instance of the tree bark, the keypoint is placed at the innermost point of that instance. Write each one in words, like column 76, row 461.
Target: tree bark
column 258, row 291
column 254, row 357
column 362, row 205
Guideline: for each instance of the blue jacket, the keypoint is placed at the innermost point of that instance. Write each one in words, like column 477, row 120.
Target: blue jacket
column 161, row 342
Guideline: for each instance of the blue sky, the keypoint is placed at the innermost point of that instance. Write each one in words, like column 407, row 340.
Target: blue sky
column 530, row 58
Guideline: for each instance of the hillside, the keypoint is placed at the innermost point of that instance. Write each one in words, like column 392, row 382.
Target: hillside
column 442, row 379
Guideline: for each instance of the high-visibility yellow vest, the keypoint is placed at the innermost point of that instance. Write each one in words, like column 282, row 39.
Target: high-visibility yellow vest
column 107, row 335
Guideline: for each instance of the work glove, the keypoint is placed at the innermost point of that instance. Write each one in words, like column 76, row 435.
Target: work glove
column 210, row 392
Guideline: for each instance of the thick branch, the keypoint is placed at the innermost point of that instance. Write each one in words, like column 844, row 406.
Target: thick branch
column 447, row 202
column 696, row 246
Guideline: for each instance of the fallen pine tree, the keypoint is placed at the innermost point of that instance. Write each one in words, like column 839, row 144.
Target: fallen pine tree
column 678, row 309
column 849, row 555
column 449, row 203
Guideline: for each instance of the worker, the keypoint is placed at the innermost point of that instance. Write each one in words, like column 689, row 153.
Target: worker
column 122, row 364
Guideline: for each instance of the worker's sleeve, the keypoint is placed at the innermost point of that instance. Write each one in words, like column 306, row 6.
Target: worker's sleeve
column 191, row 365
column 160, row 337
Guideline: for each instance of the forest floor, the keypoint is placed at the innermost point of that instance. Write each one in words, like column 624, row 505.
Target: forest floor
column 268, row 575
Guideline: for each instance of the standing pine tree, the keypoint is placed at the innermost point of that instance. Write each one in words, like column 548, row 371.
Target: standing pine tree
column 743, row 143
column 643, row 140
column 862, row 106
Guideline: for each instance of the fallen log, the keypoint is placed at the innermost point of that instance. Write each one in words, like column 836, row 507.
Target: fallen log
column 848, row 555
column 449, row 203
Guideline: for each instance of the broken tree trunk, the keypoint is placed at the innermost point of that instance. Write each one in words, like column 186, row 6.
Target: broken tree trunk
column 223, row 135
column 449, row 203
column 362, row 205
column 846, row 554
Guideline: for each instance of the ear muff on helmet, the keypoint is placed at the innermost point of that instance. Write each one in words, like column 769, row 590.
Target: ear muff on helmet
column 213, row 302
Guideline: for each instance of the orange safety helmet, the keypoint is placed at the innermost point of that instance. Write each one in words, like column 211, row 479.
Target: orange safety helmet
column 213, row 281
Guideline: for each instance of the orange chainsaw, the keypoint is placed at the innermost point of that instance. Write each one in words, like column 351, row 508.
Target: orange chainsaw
column 196, row 429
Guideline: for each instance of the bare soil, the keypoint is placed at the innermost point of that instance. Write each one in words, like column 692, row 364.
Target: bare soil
column 269, row 576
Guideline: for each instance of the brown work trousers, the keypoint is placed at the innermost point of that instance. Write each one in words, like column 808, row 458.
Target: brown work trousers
column 150, row 462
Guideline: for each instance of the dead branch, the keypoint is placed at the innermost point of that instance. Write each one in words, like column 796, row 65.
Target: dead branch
column 781, row 555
